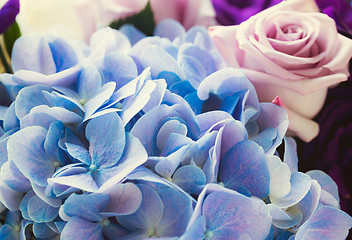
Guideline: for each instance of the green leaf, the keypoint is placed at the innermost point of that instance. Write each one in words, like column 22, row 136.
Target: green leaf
column 144, row 21
column 10, row 36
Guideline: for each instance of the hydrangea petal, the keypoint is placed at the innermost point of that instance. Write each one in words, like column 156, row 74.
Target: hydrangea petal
column 124, row 199
column 40, row 211
column 189, row 178
column 148, row 215
column 245, row 165
column 106, row 136
column 177, row 211
column 86, row 228
column 230, row 216
column 300, row 185
column 86, row 206
column 32, row 162
column 325, row 223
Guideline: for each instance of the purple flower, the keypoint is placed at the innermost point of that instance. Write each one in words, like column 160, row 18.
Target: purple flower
column 8, row 14
column 340, row 11
column 331, row 150
column 229, row 12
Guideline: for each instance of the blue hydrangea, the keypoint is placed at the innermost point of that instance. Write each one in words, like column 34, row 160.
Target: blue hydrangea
column 134, row 137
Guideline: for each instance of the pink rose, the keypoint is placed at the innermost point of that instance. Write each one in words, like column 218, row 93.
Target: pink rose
column 292, row 51
column 187, row 12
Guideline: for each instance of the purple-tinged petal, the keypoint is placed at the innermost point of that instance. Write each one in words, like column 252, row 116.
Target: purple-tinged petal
column 177, row 212
column 133, row 156
column 209, row 119
column 169, row 29
column 309, row 203
column 326, row 182
column 86, row 206
column 24, row 204
column 325, row 223
column 10, row 198
column 279, row 122
column 106, row 136
column 25, row 149
column 13, row 178
column 230, row 216
column 148, row 215
column 79, row 229
column 124, row 199
column 245, row 165
column 189, row 178
column 166, row 166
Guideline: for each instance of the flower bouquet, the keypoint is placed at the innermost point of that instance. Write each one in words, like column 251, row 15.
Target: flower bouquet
column 177, row 132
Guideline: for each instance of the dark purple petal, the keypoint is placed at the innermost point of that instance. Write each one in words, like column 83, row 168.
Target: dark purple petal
column 8, row 14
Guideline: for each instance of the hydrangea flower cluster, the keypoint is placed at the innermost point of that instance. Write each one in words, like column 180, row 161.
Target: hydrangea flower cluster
column 136, row 137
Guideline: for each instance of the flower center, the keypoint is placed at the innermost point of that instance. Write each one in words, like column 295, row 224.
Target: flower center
column 152, row 233
column 56, row 164
column 105, row 222
column 17, row 228
column 208, row 235
column 82, row 101
column 93, row 168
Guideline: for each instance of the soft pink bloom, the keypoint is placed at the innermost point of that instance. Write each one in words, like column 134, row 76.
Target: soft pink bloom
column 119, row 9
column 292, row 51
column 187, row 12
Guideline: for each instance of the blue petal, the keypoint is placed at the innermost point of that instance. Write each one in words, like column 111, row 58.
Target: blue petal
column 169, row 28
column 28, row 98
column 37, row 119
column 80, row 153
column 245, row 165
column 326, row 182
column 134, row 155
column 63, row 54
column 10, row 198
column 177, row 212
column 78, row 229
column 124, row 199
column 42, row 230
column 106, row 136
column 40, row 211
column 232, row 216
column 25, row 148
column 35, row 48
column 149, row 214
column 117, row 67
column 189, row 178
column 86, row 206
column 160, row 61
column 89, row 82
column 133, row 34
column 325, row 223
